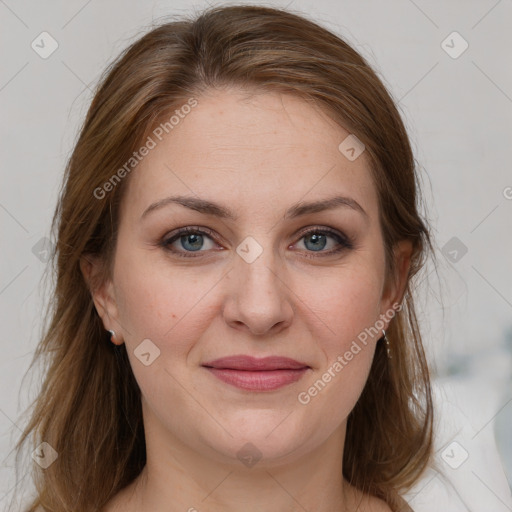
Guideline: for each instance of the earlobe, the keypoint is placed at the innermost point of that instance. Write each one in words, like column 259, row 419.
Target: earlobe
column 102, row 293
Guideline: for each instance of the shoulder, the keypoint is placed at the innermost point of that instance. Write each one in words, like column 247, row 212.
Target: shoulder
column 367, row 503
column 121, row 502
column 378, row 505
column 399, row 505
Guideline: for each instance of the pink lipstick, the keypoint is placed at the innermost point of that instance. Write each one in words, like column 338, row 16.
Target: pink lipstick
column 257, row 374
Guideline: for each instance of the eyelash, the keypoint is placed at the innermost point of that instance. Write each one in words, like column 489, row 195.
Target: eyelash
column 345, row 243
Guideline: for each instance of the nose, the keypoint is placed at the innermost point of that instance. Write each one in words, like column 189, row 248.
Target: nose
column 258, row 299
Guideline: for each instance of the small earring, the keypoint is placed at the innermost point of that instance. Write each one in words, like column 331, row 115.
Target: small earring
column 112, row 336
column 387, row 343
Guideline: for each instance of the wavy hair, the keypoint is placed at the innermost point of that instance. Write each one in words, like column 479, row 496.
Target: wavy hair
column 89, row 406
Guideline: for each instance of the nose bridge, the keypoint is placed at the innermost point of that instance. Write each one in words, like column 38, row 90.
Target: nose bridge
column 260, row 299
column 257, row 261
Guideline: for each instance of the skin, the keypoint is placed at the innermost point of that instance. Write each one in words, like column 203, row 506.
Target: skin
column 257, row 155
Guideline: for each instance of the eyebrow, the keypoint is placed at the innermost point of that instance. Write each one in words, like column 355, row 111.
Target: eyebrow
column 210, row 208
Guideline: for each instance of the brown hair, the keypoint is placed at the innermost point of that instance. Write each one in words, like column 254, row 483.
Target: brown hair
column 89, row 407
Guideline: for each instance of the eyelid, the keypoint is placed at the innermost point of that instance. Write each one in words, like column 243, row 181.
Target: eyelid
column 179, row 232
column 344, row 242
column 328, row 231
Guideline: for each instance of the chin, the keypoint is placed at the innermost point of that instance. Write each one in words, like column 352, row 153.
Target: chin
column 268, row 447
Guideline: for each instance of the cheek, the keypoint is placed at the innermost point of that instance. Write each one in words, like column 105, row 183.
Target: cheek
column 169, row 307
column 349, row 309
column 347, row 301
column 162, row 303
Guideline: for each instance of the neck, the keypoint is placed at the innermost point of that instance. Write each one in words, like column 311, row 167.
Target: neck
column 181, row 478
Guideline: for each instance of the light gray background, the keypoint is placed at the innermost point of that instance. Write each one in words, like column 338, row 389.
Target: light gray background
column 459, row 115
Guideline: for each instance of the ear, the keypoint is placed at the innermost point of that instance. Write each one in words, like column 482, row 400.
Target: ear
column 103, row 294
column 395, row 285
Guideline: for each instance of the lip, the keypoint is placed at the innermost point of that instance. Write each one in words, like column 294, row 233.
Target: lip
column 257, row 374
column 242, row 362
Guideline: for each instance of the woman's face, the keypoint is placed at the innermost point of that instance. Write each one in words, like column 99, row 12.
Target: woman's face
column 270, row 277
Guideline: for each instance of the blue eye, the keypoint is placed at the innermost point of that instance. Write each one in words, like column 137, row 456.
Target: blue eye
column 192, row 240
column 317, row 239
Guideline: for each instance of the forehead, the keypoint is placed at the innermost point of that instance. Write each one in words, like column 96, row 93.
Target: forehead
column 247, row 149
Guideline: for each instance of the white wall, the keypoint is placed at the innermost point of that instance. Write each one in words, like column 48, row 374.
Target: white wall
column 458, row 111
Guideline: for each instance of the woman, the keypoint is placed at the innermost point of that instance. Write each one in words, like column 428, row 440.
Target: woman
column 233, row 324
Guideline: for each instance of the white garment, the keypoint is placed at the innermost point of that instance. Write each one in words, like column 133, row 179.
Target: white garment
column 468, row 475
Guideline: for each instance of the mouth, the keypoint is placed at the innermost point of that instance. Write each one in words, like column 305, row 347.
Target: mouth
column 257, row 374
